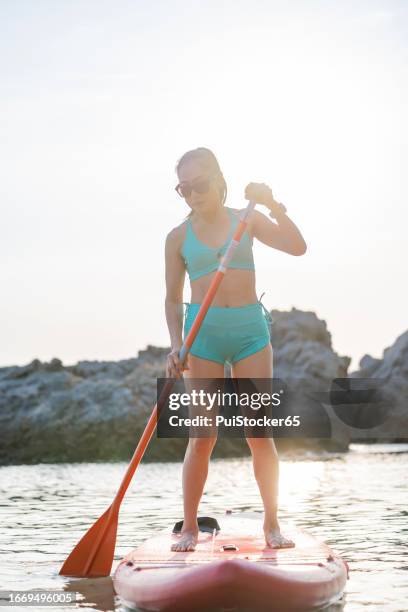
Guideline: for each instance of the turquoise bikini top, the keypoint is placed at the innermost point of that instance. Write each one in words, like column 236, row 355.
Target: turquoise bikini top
column 201, row 259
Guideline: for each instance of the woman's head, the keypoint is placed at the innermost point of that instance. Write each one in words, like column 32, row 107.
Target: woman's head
column 199, row 168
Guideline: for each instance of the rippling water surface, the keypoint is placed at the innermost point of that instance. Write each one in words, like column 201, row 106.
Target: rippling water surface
column 356, row 502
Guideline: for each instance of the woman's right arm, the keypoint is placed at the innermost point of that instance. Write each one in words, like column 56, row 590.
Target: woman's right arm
column 175, row 276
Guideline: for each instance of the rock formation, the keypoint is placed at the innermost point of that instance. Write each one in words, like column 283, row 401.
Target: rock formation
column 391, row 372
column 97, row 410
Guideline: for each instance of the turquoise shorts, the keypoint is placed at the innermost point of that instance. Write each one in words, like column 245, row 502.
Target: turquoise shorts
column 229, row 334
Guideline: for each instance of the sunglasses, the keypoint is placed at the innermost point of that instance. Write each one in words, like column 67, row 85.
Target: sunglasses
column 201, row 186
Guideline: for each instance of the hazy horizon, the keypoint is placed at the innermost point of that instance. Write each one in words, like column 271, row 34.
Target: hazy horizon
column 98, row 103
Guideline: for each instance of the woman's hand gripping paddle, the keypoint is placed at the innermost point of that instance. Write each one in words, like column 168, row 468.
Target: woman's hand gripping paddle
column 93, row 555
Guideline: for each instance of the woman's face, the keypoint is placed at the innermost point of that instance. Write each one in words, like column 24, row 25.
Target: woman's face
column 191, row 172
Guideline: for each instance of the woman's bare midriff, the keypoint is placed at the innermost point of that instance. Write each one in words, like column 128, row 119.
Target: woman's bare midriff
column 237, row 288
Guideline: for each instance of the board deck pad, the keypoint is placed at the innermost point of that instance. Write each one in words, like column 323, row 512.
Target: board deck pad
column 244, row 533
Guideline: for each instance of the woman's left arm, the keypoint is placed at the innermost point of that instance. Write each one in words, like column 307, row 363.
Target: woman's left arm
column 283, row 235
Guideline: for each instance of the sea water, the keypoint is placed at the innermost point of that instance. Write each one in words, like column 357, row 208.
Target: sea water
column 356, row 502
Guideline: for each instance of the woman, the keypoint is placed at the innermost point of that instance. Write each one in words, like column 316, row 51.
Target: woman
column 196, row 245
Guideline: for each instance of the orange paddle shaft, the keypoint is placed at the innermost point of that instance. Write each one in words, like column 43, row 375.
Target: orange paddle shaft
column 212, row 290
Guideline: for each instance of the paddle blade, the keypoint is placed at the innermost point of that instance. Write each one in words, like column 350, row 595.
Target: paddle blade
column 93, row 555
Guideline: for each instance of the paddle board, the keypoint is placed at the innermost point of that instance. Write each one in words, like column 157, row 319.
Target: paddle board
column 231, row 569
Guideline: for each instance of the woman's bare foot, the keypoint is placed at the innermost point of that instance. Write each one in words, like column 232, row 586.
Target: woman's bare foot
column 274, row 538
column 187, row 541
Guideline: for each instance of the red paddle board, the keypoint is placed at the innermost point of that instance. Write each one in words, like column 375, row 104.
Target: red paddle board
column 232, row 570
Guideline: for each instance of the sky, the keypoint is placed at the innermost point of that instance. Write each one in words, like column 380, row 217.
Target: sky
column 100, row 99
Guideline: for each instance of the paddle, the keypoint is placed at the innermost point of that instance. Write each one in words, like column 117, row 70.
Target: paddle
column 93, row 555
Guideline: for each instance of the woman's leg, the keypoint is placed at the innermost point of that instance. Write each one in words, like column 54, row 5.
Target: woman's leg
column 196, row 459
column 264, row 454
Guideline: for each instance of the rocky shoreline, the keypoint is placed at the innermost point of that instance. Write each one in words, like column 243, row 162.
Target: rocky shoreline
column 97, row 410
